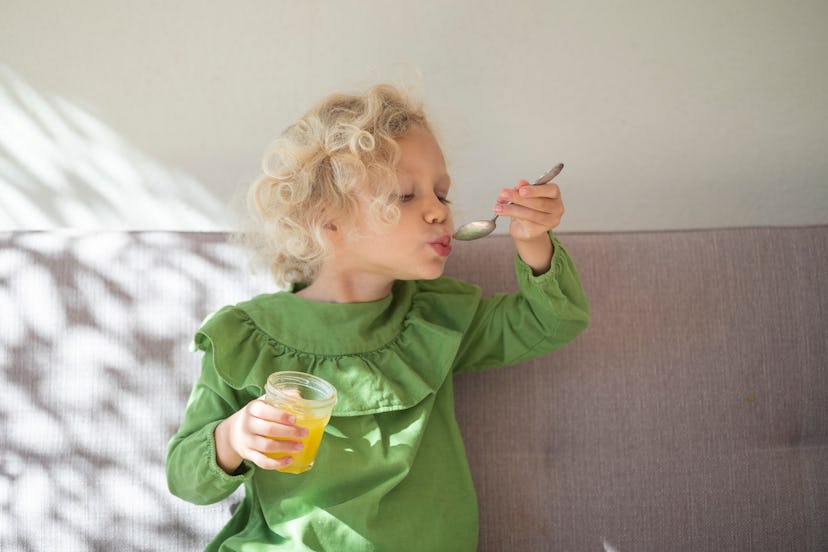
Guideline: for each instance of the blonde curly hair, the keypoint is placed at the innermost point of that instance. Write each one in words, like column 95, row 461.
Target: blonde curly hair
column 340, row 152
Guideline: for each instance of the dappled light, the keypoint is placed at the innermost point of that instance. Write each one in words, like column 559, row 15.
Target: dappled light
column 88, row 338
column 61, row 166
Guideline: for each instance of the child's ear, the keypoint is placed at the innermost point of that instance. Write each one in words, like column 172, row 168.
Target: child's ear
column 332, row 232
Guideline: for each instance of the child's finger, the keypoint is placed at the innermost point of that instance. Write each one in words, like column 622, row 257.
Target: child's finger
column 266, row 445
column 267, row 463
column 266, row 428
column 550, row 190
column 527, row 192
column 266, row 411
column 544, row 218
column 530, row 208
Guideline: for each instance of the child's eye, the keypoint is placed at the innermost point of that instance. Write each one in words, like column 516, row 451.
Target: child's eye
column 405, row 198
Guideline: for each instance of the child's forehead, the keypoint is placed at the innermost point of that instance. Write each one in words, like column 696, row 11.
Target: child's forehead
column 435, row 173
column 421, row 155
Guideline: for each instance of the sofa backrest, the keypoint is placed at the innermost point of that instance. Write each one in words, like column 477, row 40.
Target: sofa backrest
column 691, row 415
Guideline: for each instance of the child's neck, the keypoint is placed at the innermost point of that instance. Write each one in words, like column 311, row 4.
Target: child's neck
column 328, row 288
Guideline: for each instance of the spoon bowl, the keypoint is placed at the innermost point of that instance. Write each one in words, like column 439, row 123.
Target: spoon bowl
column 475, row 230
column 482, row 228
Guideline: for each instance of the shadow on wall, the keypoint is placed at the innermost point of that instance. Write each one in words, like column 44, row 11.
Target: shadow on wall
column 95, row 370
column 62, row 167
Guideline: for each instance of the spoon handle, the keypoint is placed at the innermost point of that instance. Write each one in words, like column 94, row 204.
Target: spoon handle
column 549, row 175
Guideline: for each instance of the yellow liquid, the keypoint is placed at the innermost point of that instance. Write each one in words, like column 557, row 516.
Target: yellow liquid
column 303, row 460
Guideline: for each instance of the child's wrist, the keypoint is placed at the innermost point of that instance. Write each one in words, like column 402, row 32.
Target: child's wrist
column 536, row 252
column 226, row 456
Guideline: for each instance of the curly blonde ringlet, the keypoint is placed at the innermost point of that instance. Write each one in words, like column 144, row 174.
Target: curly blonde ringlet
column 339, row 155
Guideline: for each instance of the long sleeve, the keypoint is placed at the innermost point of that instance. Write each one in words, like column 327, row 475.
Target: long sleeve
column 192, row 471
column 548, row 312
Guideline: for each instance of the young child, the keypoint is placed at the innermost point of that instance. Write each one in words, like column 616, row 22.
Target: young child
column 353, row 213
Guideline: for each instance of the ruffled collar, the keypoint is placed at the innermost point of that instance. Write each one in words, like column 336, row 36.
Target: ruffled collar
column 331, row 328
column 381, row 356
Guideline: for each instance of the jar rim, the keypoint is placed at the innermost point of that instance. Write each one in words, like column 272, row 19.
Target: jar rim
column 305, row 380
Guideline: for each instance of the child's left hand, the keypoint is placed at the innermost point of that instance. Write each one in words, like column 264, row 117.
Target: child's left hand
column 535, row 210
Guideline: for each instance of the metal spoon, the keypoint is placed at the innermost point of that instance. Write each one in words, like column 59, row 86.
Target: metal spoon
column 482, row 228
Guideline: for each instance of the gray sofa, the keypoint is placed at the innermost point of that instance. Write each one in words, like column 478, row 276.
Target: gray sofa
column 691, row 415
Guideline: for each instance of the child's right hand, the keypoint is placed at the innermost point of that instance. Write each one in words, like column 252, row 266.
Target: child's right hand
column 251, row 433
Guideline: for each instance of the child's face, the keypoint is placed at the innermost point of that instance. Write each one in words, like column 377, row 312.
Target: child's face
column 418, row 246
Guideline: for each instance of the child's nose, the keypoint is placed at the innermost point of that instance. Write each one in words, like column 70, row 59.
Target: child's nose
column 437, row 211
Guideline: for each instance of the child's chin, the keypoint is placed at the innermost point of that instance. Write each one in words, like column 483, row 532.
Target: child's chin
column 425, row 275
column 433, row 275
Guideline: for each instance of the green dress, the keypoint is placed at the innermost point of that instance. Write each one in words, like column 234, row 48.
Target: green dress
column 391, row 473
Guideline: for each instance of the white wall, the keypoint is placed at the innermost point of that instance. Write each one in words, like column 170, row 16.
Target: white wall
column 668, row 114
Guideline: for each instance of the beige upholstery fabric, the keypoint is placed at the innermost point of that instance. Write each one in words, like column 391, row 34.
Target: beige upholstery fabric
column 691, row 415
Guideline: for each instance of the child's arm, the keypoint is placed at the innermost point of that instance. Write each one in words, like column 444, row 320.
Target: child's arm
column 222, row 438
column 548, row 312
column 535, row 210
column 193, row 472
column 551, row 308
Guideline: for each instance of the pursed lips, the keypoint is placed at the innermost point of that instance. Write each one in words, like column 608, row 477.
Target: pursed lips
column 442, row 245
